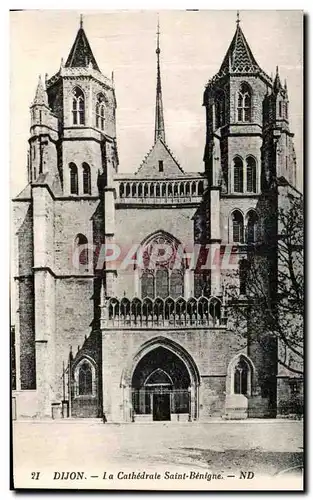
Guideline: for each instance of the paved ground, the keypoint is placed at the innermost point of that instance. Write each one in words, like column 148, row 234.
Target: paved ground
column 264, row 447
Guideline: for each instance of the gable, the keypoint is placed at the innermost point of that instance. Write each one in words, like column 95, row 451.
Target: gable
column 150, row 166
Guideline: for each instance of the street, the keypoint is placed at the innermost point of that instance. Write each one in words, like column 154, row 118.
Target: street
column 264, row 448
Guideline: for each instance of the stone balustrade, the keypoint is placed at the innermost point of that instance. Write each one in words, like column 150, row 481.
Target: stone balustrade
column 160, row 313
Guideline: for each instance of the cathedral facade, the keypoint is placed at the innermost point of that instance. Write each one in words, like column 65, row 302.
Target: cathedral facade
column 122, row 304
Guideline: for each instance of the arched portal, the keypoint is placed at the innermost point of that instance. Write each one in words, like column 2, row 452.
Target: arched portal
column 162, row 383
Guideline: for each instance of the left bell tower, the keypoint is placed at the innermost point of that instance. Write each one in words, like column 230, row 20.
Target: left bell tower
column 83, row 99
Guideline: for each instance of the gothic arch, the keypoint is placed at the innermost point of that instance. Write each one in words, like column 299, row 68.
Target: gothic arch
column 150, row 345
column 236, row 216
column 161, row 372
column 251, row 222
column 77, row 366
column 231, row 371
column 73, row 178
column 251, row 174
column 237, row 174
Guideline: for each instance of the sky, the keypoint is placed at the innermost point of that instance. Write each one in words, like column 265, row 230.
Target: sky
column 193, row 45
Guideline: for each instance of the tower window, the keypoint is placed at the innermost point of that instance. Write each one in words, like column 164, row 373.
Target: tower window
column 81, row 249
column 252, row 219
column 238, row 175
column 237, row 227
column 161, row 167
column 78, row 107
column 251, row 175
column 100, row 112
column 280, row 107
column 86, row 179
column 73, row 179
column 244, row 103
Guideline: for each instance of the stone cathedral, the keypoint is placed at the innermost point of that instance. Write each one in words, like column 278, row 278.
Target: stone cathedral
column 143, row 336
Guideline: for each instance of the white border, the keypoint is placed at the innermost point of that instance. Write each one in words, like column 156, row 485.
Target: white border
column 306, row 5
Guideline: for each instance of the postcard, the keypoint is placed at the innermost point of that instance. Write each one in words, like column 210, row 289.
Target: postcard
column 157, row 250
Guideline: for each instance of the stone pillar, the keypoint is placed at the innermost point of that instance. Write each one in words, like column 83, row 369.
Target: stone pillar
column 109, row 217
column 44, row 292
column 215, row 241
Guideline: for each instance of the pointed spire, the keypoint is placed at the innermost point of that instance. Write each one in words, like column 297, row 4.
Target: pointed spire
column 239, row 55
column 277, row 86
column 81, row 54
column 81, row 21
column 41, row 98
column 159, row 131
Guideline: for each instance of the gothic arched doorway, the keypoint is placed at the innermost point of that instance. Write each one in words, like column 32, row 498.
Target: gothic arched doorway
column 163, row 385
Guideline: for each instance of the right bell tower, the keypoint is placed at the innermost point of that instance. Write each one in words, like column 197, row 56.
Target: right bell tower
column 234, row 120
column 233, row 99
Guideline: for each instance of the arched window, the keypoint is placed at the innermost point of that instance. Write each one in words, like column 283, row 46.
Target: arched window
column 147, row 285
column 73, row 178
column 243, row 276
column 81, row 251
column 238, row 175
column 237, row 227
column 78, row 107
column 85, row 379
column 163, row 274
column 244, row 103
column 241, row 377
column 86, row 179
column 100, row 111
column 251, row 175
column 252, row 220
column 220, row 109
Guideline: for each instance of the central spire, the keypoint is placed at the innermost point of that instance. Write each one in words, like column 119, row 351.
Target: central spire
column 159, row 131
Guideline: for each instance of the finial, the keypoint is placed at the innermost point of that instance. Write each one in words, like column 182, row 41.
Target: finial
column 112, row 78
column 158, row 37
column 62, row 62
column 81, row 21
column 285, row 88
column 238, row 18
column 46, row 76
column 276, row 70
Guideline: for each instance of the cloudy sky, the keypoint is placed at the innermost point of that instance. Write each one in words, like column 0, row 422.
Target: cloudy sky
column 193, row 45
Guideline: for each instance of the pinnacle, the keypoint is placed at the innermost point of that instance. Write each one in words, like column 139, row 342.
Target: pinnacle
column 41, row 98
